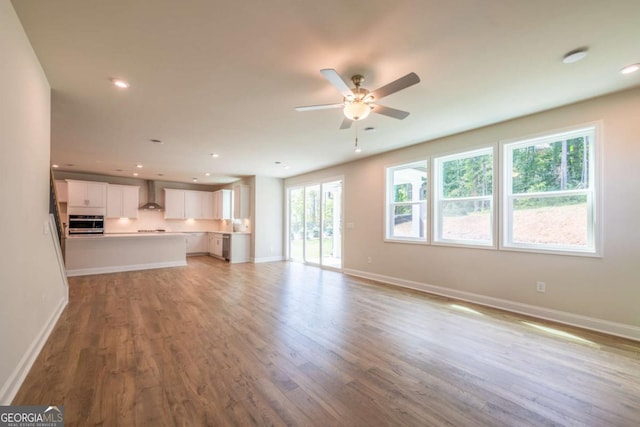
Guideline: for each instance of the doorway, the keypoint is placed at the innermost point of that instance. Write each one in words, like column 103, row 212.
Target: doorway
column 315, row 224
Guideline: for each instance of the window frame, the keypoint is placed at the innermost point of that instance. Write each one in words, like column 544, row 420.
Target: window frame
column 390, row 204
column 593, row 193
column 439, row 199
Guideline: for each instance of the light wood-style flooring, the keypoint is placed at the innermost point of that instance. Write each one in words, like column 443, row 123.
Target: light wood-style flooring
column 214, row 344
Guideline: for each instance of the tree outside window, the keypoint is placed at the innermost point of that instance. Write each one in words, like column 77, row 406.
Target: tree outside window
column 550, row 195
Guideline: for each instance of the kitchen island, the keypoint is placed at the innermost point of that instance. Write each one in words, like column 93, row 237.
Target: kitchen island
column 110, row 253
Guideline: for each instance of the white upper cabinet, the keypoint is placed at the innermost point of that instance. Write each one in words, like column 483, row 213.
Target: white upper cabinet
column 193, row 204
column 86, row 194
column 174, row 204
column 241, row 203
column 222, row 204
column 122, row 201
column 207, row 205
column 183, row 204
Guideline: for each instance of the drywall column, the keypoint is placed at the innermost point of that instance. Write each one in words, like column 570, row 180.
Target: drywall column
column 267, row 215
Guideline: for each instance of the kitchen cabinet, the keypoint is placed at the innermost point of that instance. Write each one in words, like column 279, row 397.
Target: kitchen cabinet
column 183, row 204
column 197, row 243
column 193, row 204
column 240, row 248
column 122, row 201
column 241, row 202
column 86, row 194
column 222, row 204
column 207, row 205
column 215, row 244
column 174, row 204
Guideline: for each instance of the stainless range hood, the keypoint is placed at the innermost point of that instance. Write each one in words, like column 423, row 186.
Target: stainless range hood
column 151, row 204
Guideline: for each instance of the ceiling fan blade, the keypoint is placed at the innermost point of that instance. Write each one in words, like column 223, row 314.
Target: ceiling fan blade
column 334, row 78
column 391, row 112
column 346, row 123
column 396, row 85
column 319, row 107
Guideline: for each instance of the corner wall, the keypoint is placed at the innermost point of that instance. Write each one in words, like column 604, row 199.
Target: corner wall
column 597, row 293
column 33, row 290
column 267, row 214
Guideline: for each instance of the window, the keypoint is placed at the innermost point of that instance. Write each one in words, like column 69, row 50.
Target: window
column 407, row 202
column 463, row 191
column 549, row 197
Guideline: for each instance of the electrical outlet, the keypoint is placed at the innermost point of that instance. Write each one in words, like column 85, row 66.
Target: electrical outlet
column 541, row 287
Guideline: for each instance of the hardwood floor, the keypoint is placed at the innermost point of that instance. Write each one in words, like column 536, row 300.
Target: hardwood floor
column 287, row 344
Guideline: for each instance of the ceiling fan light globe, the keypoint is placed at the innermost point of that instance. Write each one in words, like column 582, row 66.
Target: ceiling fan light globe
column 356, row 110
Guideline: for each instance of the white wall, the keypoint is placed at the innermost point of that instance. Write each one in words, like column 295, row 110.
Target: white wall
column 32, row 289
column 267, row 214
column 599, row 293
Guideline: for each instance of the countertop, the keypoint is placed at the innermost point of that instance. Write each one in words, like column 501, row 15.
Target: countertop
column 124, row 235
column 149, row 234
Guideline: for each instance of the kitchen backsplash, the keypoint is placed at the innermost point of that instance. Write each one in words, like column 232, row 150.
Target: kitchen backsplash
column 154, row 220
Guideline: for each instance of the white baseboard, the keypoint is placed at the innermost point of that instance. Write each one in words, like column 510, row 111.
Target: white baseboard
column 267, row 259
column 591, row 323
column 120, row 268
column 12, row 385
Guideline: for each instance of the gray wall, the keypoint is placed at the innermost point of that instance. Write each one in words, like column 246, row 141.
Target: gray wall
column 32, row 287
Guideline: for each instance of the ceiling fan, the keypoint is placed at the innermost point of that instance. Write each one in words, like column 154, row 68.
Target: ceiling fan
column 358, row 102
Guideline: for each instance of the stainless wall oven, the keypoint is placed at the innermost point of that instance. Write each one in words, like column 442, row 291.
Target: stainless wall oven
column 86, row 224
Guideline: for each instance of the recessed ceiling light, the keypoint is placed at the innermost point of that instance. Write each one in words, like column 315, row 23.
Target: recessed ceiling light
column 575, row 55
column 370, row 129
column 55, row 166
column 357, row 150
column 194, row 179
column 160, row 174
column 139, row 166
column 135, row 174
column 156, row 141
column 119, row 170
column 207, row 174
column 215, row 155
column 120, row 83
column 277, row 163
column 286, row 167
column 630, row 69
column 70, row 165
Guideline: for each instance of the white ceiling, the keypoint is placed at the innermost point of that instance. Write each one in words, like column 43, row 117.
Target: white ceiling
column 212, row 76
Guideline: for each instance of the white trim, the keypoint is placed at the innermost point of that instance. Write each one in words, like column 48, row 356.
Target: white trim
column 594, row 208
column 12, row 385
column 121, row 268
column 53, row 232
column 591, row 323
column 390, row 204
column 267, row 259
column 439, row 199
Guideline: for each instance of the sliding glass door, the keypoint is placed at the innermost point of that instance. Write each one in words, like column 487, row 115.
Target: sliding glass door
column 315, row 224
column 312, row 241
column 331, row 241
